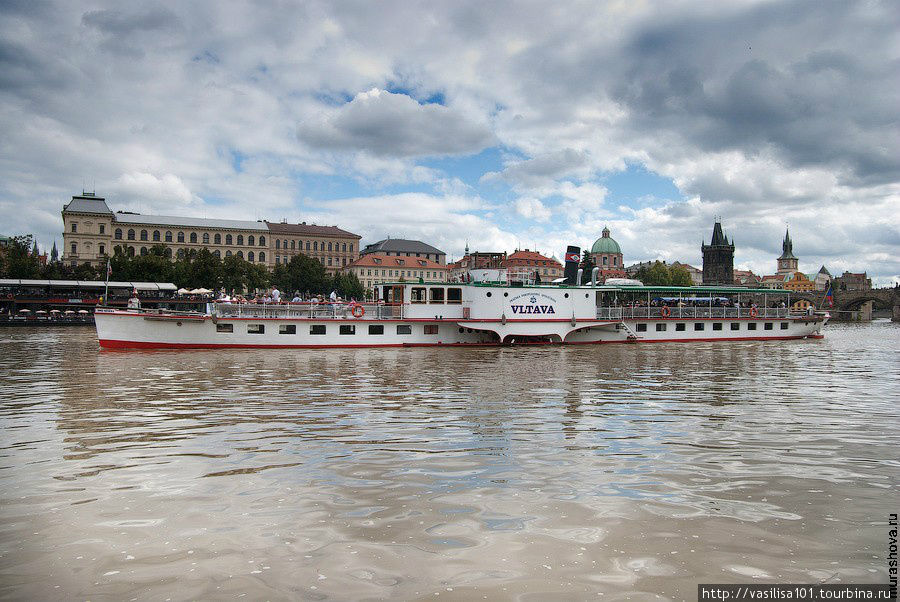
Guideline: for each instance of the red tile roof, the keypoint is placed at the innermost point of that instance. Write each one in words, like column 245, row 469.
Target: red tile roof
column 375, row 260
column 530, row 258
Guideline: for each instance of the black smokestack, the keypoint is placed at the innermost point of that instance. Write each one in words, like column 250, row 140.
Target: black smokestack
column 573, row 258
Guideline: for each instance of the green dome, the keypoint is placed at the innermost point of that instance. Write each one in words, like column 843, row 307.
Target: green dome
column 605, row 244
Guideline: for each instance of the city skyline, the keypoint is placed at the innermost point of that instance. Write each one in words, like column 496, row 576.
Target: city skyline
column 493, row 127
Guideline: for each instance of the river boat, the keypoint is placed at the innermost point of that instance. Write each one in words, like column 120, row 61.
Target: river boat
column 474, row 313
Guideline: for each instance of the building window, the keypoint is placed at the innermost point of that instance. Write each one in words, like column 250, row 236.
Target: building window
column 103, row 249
column 262, row 256
column 784, row 325
column 277, row 244
column 344, row 247
column 206, row 238
column 317, row 329
column 292, row 245
column 250, row 256
column 376, row 328
column 130, row 234
column 143, row 250
column 307, row 245
column 168, row 236
column 431, row 329
column 751, row 325
column 251, row 241
column 348, row 329
column 661, row 327
column 228, row 253
column 74, row 227
column 735, row 326
column 717, row 326
column 262, row 241
column 240, row 254
column 169, row 252
column 277, row 260
column 181, row 237
column 217, row 239
column 329, row 246
column 642, row 327
column 240, row 239
column 256, row 328
column 131, row 251
column 144, row 235
column 74, row 248
column 193, row 238
column 287, row 329
column 768, row 326
column 118, row 234
column 404, row 329
column 679, row 327
column 156, row 235
column 315, row 245
column 329, row 261
column 698, row 326
column 350, row 247
column 224, row 327
column 102, row 228
column 228, row 239
column 217, row 253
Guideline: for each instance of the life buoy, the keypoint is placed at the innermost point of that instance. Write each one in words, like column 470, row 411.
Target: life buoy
column 358, row 311
column 665, row 311
column 753, row 312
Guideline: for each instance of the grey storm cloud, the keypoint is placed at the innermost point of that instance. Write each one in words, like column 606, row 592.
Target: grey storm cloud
column 116, row 22
column 395, row 125
column 787, row 77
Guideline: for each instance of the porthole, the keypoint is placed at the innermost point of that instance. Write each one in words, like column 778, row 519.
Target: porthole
column 489, row 294
column 585, row 295
column 506, row 294
column 567, row 295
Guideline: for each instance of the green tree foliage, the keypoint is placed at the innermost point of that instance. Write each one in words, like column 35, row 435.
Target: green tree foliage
column 587, row 264
column 348, row 286
column 18, row 261
column 679, row 276
column 241, row 275
column 302, row 273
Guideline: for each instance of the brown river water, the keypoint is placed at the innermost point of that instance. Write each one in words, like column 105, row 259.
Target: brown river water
column 615, row 472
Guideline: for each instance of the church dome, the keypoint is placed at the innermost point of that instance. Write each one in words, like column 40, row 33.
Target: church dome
column 605, row 244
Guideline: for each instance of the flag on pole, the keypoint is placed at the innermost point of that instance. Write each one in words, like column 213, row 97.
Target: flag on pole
column 829, row 297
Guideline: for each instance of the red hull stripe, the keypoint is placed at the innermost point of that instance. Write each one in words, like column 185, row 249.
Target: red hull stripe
column 114, row 344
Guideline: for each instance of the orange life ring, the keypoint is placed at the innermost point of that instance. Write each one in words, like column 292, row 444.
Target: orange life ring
column 358, row 311
column 665, row 311
column 753, row 312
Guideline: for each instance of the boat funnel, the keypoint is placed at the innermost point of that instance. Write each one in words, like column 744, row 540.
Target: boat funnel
column 594, row 273
column 580, row 274
column 573, row 257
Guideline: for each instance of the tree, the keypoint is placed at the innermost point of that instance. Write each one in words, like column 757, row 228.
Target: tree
column 587, row 264
column 657, row 274
column 348, row 286
column 302, row 273
column 17, row 260
column 679, row 276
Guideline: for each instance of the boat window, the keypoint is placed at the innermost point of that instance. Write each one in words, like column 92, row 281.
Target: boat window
column 376, row 328
column 698, row 325
column 348, row 329
column 317, row 329
column 768, row 326
column 418, row 295
column 454, row 295
column 437, row 295
column 256, row 328
column 431, row 329
column 784, row 326
column 224, row 327
column 751, row 325
column 735, row 326
column 642, row 327
column 679, row 327
column 717, row 326
column 287, row 329
column 661, row 327
column 404, row 329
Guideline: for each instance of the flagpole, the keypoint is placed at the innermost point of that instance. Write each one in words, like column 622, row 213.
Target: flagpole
column 106, row 287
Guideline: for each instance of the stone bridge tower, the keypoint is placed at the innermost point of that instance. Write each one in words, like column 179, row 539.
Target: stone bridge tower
column 718, row 258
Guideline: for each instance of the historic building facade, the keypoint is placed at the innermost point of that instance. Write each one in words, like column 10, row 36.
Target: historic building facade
column 373, row 269
column 787, row 263
column 718, row 258
column 524, row 264
column 401, row 247
column 91, row 232
column 607, row 255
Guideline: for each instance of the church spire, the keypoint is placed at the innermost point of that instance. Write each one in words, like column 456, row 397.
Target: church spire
column 787, row 246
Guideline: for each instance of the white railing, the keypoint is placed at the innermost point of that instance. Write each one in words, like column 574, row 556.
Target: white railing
column 324, row 311
column 624, row 313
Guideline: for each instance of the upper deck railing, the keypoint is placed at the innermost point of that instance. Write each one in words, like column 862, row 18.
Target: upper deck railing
column 322, row 311
column 625, row 313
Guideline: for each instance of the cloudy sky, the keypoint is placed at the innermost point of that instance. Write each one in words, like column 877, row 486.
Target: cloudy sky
column 527, row 124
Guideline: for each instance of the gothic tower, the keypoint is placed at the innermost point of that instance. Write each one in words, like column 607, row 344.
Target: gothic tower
column 718, row 258
column 787, row 263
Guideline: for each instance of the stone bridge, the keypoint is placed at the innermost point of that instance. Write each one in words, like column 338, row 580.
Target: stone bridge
column 849, row 302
